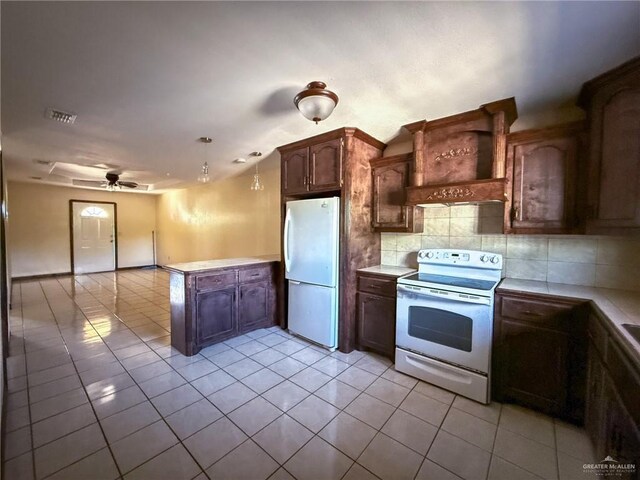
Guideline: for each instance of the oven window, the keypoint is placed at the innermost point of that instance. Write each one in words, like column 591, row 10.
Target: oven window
column 442, row 327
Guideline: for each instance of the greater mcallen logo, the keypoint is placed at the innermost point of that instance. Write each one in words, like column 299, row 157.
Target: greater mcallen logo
column 609, row 467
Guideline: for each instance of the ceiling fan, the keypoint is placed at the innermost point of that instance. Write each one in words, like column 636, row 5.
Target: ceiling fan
column 112, row 182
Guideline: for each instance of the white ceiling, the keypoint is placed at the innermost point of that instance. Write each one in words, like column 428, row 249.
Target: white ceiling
column 147, row 79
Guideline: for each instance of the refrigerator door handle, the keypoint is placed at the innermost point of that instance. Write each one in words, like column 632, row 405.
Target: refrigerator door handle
column 287, row 258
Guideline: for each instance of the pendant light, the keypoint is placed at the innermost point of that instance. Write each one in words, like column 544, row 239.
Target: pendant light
column 315, row 102
column 204, row 174
column 256, row 184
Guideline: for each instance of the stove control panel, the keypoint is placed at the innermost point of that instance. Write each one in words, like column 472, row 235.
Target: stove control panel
column 467, row 258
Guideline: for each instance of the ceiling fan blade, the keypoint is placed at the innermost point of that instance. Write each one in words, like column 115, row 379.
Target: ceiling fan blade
column 128, row 184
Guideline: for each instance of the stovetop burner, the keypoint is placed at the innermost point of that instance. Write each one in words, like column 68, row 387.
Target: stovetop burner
column 452, row 281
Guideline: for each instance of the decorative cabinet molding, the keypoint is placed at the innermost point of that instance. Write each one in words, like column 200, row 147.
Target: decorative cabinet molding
column 462, row 149
column 542, row 179
column 479, row 190
column 390, row 177
column 612, row 101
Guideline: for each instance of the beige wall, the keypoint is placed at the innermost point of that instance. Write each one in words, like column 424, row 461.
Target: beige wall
column 602, row 261
column 39, row 241
column 220, row 220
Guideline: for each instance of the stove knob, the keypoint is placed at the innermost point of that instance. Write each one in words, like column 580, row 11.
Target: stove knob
column 484, row 258
column 422, row 254
column 429, row 254
column 495, row 259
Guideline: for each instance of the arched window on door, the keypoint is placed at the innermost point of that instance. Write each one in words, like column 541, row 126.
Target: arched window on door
column 94, row 212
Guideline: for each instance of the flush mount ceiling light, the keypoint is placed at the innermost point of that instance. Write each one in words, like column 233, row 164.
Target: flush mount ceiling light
column 256, row 184
column 204, row 174
column 315, row 102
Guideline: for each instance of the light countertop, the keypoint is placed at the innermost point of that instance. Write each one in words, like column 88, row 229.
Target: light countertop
column 616, row 306
column 388, row 270
column 191, row 267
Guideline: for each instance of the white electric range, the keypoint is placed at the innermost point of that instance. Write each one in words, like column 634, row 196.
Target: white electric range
column 444, row 323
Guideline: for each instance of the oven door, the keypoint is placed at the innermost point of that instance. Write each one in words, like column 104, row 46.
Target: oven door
column 449, row 326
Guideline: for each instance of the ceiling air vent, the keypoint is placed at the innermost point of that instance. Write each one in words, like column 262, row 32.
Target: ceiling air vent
column 44, row 163
column 60, row 116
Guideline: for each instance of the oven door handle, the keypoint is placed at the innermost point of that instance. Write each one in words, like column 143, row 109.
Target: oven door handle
column 417, row 292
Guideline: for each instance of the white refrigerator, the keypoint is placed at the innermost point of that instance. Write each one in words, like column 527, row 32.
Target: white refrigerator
column 311, row 237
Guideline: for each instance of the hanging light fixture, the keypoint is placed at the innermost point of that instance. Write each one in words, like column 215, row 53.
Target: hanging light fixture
column 256, row 184
column 315, row 102
column 204, row 174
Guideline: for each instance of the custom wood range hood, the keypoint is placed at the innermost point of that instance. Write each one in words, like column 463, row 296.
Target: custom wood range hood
column 462, row 158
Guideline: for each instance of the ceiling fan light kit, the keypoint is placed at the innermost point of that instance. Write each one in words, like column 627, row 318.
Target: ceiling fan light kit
column 315, row 102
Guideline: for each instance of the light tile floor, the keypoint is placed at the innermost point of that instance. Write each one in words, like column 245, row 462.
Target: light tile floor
column 96, row 392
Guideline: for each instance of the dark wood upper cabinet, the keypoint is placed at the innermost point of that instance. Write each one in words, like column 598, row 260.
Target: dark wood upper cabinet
column 612, row 101
column 295, row 171
column 316, row 167
column 390, row 177
column 325, row 166
column 542, row 179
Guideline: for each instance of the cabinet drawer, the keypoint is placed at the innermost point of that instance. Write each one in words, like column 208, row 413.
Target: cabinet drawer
column 224, row 279
column 377, row 285
column 255, row 274
column 532, row 310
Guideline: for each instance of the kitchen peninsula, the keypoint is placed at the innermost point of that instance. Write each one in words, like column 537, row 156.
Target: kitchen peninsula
column 215, row 300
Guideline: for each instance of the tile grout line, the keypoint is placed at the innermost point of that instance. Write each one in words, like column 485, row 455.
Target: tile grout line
column 85, row 392
column 162, row 418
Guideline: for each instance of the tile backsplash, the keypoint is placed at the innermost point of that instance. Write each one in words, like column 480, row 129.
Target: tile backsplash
column 602, row 261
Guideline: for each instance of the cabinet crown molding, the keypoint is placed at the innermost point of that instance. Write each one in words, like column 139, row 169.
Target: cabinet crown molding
column 340, row 132
column 506, row 105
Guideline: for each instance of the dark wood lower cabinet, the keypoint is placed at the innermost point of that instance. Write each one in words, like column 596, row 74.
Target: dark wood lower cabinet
column 217, row 314
column 612, row 417
column 254, row 305
column 539, row 354
column 558, row 356
column 376, row 310
column 621, row 434
column 208, row 307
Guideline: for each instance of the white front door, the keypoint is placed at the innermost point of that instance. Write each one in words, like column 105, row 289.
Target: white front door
column 94, row 248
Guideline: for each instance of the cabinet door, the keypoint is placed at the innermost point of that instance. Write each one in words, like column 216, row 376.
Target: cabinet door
column 254, row 305
column 544, row 188
column 216, row 314
column 294, row 171
column 325, row 166
column 377, row 323
column 532, row 366
column 622, row 438
column 389, row 182
column 614, row 186
column 594, row 411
